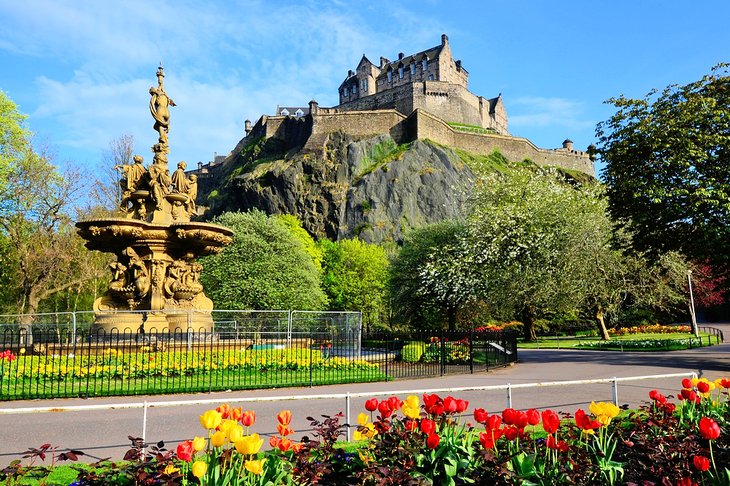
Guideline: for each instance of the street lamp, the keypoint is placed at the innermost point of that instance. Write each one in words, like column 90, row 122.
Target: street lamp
column 692, row 305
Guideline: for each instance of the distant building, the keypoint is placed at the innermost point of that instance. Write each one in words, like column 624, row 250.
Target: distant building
column 295, row 111
column 430, row 80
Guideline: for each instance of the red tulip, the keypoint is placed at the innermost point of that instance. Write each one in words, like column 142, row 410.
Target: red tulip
column 521, row 420
column 450, row 404
column 411, row 425
column 533, row 417
column 461, row 405
column 371, row 405
column 433, row 441
column 480, row 415
column 185, row 451
column 703, row 387
column 394, row 403
column 709, row 428
column 493, row 422
column 688, row 394
column 511, row 432
column 584, row 422
column 384, row 409
column 725, row 383
column 550, row 421
column 686, row 482
column 274, row 442
column 248, row 418
column 559, row 445
column 509, row 416
column 701, row 463
column 686, row 383
column 657, row 397
column 284, row 430
column 488, row 439
column 428, row 426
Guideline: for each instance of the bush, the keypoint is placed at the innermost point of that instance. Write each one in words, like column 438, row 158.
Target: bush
column 412, row 352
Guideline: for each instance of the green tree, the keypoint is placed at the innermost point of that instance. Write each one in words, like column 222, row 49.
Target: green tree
column 424, row 291
column 266, row 267
column 668, row 168
column 355, row 278
column 311, row 246
column 14, row 136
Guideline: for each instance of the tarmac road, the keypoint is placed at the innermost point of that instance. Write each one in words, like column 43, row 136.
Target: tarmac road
column 103, row 434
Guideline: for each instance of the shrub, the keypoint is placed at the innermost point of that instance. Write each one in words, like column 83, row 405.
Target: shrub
column 412, row 352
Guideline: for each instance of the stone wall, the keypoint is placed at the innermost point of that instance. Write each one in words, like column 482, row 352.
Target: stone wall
column 359, row 124
column 514, row 148
column 451, row 102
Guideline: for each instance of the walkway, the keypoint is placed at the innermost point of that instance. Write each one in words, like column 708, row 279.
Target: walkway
column 104, row 433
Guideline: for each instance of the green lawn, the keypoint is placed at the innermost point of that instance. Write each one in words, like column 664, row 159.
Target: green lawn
column 228, row 380
column 632, row 342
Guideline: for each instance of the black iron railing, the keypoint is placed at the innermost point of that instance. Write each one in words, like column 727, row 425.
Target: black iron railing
column 64, row 362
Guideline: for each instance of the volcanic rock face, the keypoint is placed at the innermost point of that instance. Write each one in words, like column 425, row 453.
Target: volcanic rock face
column 373, row 188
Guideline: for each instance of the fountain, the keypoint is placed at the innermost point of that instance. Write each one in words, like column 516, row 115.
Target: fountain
column 155, row 242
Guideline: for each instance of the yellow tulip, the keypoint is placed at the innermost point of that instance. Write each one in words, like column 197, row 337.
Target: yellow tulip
column 199, row 469
column 226, row 425
column 199, row 443
column 362, row 418
column 170, row 469
column 235, row 433
column 218, row 439
column 255, row 467
column 411, row 407
column 249, row 444
column 210, row 419
column 604, row 411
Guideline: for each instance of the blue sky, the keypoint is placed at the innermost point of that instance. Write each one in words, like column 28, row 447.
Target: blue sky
column 82, row 70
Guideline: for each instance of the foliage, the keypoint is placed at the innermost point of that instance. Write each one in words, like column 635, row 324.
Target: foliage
column 412, row 352
column 438, row 440
column 668, row 167
column 14, row 136
column 295, row 226
column 379, row 154
column 355, row 278
column 266, row 267
column 417, row 300
column 653, row 329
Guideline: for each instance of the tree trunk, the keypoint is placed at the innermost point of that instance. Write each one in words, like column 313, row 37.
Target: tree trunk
column 451, row 317
column 601, row 324
column 528, row 320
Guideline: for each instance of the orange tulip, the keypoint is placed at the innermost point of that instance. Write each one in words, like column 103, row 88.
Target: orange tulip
column 284, row 417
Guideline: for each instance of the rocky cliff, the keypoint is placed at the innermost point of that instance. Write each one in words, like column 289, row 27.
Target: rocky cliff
column 371, row 188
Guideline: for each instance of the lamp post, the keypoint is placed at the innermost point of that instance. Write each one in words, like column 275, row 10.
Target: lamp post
column 692, row 305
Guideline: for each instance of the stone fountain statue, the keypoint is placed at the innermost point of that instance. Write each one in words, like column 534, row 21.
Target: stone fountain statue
column 155, row 242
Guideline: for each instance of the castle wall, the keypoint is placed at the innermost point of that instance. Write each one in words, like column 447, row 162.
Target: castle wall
column 514, row 148
column 359, row 124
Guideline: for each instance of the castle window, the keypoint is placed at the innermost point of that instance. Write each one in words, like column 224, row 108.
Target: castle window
column 364, row 86
column 347, row 92
column 390, row 75
column 413, row 69
column 424, row 64
column 400, row 71
column 430, row 77
column 354, row 88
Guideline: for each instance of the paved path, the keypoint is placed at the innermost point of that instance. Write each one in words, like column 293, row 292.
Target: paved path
column 104, row 433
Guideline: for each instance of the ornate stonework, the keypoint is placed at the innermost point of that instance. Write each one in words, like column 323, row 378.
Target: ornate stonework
column 155, row 242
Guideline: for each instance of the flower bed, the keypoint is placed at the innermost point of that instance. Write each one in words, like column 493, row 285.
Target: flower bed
column 435, row 440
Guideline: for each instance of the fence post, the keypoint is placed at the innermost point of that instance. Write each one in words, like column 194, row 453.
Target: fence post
column 144, row 428
column 509, row 395
column 615, row 391
column 73, row 334
column 311, row 340
column 471, row 353
column 347, row 415
column 443, row 353
column 387, row 356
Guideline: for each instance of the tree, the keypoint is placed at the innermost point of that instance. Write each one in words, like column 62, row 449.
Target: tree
column 105, row 191
column 266, row 267
column 668, row 168
column 14, row 136
column 424, row 292
column 355, row 278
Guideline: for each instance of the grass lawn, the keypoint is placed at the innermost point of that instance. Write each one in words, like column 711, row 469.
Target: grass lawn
column 632, row 342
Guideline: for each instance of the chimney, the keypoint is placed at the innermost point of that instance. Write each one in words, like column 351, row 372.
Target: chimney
column 313, row 107
column 568, row 144
column 350, row 73
column 247, row 126
column 400, row 56
column 458, row 65
column 444, row 39
column 383, row 62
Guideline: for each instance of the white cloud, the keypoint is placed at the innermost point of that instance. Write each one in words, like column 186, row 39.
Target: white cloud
column 224, row 62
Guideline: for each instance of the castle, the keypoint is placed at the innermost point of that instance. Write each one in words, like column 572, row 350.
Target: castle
column 419, row 96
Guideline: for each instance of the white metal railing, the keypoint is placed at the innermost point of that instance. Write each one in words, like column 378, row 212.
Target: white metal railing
column 346, row 396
